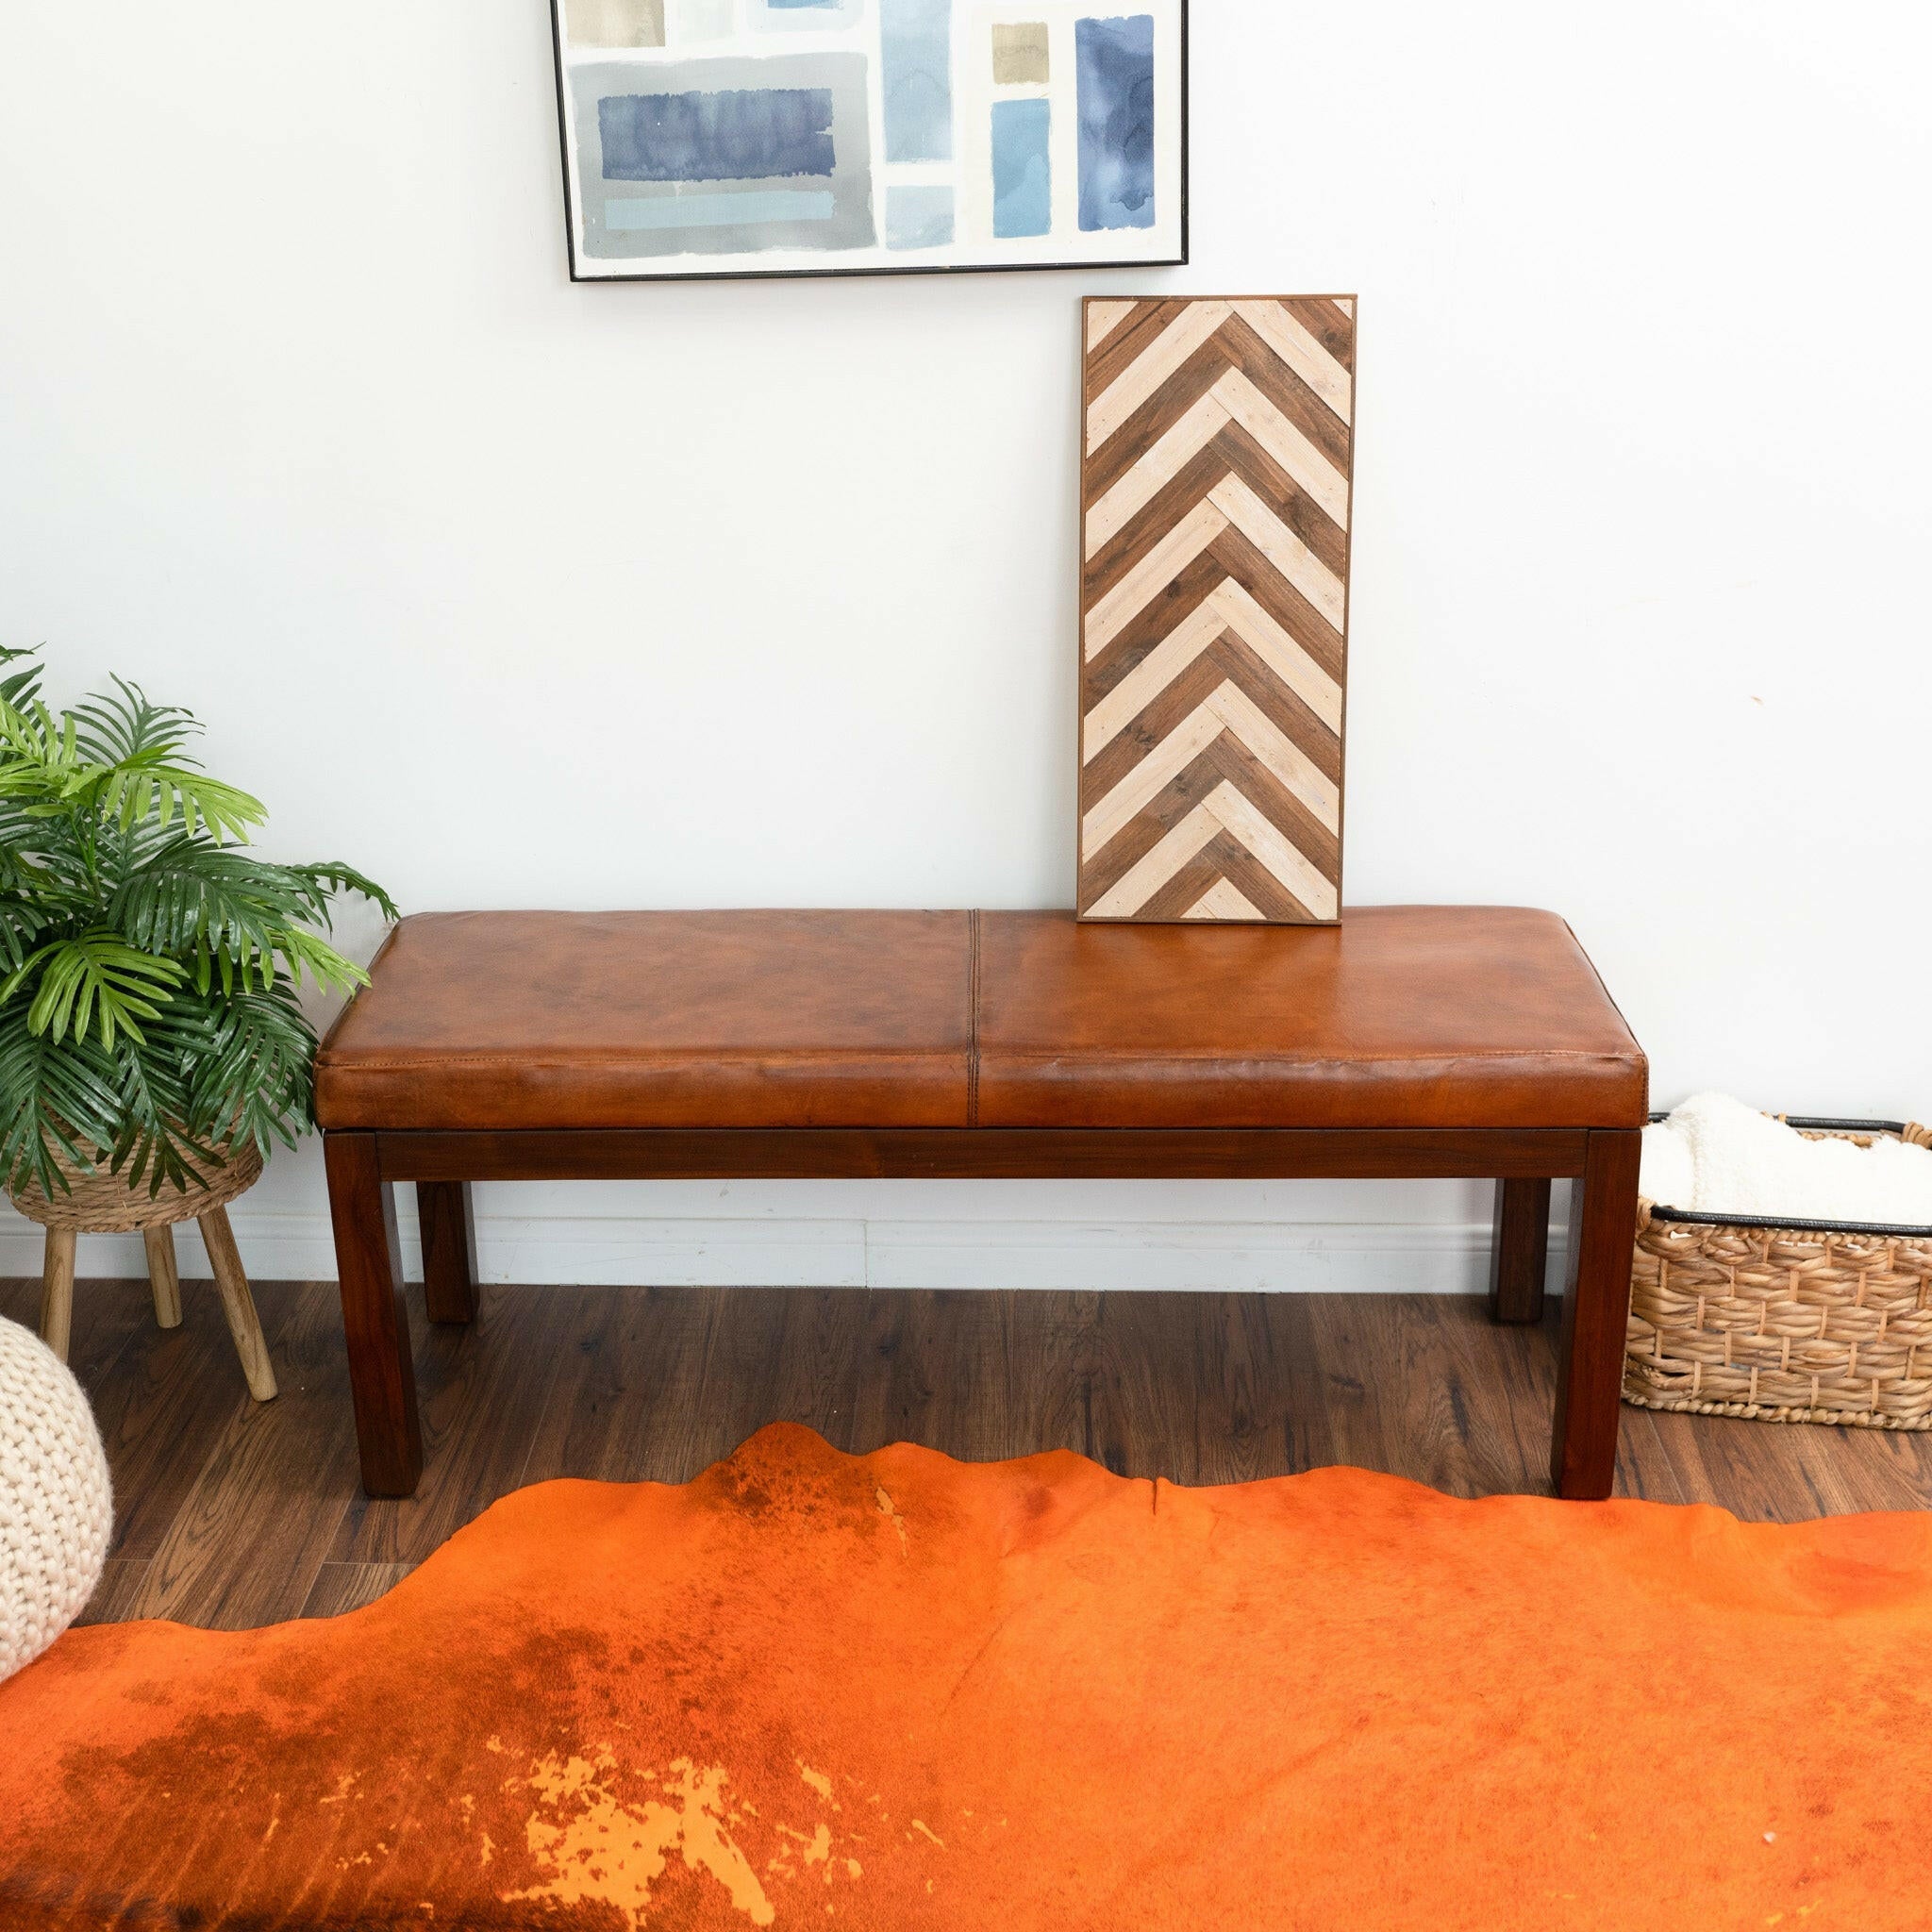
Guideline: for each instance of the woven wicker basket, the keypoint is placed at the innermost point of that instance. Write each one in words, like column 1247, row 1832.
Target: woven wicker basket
column 1784, row 1322
column 103, row 1203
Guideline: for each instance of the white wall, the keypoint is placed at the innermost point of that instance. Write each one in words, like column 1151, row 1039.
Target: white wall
column 516, row 592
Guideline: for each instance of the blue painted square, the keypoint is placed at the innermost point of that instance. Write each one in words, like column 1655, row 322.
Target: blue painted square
column 916, row 77
column 806, row 16
column 719, row 157
column 1022, row 169
column 1115, row 61
column 749, row 207
column 743, row 134
column 919, row 217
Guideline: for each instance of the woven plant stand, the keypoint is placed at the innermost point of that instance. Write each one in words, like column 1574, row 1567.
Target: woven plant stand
column 103, row 1203
column 1794, row 1322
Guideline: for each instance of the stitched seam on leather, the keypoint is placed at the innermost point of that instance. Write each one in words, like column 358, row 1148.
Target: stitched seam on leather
column 644, row 1059
column 341, row 1019
column 1044, row 1055
column 647, row 1059
column 1610, row 1000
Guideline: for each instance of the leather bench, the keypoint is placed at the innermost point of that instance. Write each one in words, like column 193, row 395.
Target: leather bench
column 1410, row 1041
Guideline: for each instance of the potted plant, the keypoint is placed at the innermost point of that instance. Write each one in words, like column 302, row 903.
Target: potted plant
column 152, row 1046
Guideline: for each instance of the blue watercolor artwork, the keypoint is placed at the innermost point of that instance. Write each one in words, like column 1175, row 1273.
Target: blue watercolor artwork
column 629, row 215
column 745, row 134
column 916, row 75
column 919, row 217
column 724, row 158
column 834, row 136
column 804, row 16
column 1022, row 169
column 1115, row 59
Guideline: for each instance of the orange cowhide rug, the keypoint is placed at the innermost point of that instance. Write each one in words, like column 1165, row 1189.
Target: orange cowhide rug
column 809, row 1689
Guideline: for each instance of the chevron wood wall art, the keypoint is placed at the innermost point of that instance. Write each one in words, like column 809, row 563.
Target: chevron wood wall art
column 1215, row 507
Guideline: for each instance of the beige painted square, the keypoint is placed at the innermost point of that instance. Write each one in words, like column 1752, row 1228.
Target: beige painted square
column 615, row 22
column 1019, row 55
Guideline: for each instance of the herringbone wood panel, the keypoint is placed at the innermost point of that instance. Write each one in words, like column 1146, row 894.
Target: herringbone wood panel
column 1216, row 493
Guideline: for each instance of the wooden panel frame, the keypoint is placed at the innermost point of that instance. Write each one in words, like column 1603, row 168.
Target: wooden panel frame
column 365, row 1166
column 1089, row 891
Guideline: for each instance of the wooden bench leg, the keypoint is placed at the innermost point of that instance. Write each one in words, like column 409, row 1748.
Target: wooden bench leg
column 449, row 1249
column 1596, row 1309
column 381, row 1373
column 1520, row 1252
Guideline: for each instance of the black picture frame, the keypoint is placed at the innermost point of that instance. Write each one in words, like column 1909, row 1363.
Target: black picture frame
column 775, row 275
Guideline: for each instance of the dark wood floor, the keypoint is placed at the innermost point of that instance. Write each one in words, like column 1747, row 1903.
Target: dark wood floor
column 228, row 1514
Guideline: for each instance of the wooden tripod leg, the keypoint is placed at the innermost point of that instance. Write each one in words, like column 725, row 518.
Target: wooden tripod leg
column 57, row 1291
column 163, row 1276
column 238, row 1304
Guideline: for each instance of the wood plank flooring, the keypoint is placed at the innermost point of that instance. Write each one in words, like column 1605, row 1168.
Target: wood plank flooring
column 230, row 1515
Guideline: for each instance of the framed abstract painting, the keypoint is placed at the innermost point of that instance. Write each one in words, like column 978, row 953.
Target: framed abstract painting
column 716, row 138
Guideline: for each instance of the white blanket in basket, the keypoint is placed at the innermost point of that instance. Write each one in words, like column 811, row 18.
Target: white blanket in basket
column 1716, row 1155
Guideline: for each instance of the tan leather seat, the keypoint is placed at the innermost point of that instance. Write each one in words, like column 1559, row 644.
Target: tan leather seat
column 1400, row 1017
column 658, row 1020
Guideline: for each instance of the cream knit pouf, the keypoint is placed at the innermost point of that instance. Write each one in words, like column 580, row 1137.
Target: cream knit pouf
column 57, row 1507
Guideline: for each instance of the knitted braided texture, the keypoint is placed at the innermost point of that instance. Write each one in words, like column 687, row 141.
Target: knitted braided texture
column 56, row 1504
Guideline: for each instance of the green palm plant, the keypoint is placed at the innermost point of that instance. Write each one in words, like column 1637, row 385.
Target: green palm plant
column 148, row 1010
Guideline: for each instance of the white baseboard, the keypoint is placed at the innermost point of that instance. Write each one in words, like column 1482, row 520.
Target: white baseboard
column 1417, row 1258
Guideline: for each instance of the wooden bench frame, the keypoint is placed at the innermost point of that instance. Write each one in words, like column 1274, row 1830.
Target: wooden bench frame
column 365, row 1166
